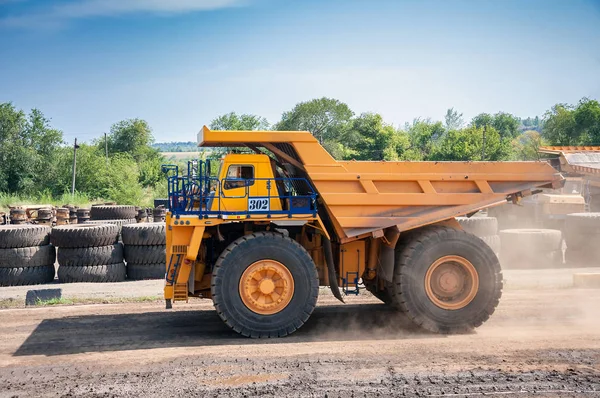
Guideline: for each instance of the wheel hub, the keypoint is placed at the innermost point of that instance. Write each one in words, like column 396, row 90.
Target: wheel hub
column 451, row 282
column 266, row 287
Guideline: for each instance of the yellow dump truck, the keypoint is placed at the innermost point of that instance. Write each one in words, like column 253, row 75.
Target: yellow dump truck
column 259, row 235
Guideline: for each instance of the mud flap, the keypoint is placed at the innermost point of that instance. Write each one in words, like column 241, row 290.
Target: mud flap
column 386, row 263
column 333, row 285
column 387, row 254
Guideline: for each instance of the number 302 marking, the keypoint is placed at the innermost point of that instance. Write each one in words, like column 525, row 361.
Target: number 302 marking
column 255, row 204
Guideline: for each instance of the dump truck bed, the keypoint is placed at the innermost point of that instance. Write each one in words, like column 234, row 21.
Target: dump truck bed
column 364, row 196
column 582, row 160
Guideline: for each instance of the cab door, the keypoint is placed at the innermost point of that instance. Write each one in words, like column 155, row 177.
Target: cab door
column 237, row 184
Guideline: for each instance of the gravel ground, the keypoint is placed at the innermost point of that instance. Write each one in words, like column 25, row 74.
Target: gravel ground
column 543, row 342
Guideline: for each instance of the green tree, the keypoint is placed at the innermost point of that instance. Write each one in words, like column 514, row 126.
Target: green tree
column 526, row 146
column 560, row 127
column 28, row 144
column 505, row 123
column 453, row 119
column 424, row 136
column 132, row 136
column 369, row 138
column 468, row 144
column 323, row 117
column 587, row 119
column 233, row 121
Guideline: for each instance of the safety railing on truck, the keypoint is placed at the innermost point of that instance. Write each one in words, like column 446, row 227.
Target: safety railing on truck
column 199, row 193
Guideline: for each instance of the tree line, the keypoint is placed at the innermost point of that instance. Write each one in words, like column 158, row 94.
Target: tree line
column 366, row 136
column 35, row 160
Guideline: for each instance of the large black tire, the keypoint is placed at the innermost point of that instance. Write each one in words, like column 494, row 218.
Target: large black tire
column 26, row 275
column 479, row 226
column 525, row 241
column 582, row 230
column 84, row 235
column 493, row 242
column 112, row 212
column 34, row 256
column 146, row 271
column 93, row 273
column 242, row 253
column 144, row 234
column 12, row 236
column 119, row 223
column 414, row 259
column 86, row 256
column 145, row 254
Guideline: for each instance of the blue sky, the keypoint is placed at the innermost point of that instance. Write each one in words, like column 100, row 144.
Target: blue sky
column 180, row 63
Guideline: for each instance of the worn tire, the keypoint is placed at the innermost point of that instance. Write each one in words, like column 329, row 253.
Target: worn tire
column 582, row 230
column 12, row 236
column 493, row 242
column 33, row 256
column 112, row 212
column 93, row 273
column 145, row 254
column 119, row 223
column 531, row 240
column 415, row 258
column 144, row 234
column 146, row 271
column 479, row 226
column 86, row 256
column 21, row 276
column 232, row 263
column 542, row 260
column 84, row 235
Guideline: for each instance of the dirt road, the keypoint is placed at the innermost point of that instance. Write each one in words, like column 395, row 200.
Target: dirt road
column 539, row 341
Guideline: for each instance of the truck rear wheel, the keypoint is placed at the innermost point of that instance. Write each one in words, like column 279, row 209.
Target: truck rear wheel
column 264, row 285
column 446, row 280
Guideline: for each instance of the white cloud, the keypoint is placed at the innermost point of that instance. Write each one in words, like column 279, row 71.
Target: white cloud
column 76, row 9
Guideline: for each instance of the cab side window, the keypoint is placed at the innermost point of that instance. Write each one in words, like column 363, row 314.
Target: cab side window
column 239, row 176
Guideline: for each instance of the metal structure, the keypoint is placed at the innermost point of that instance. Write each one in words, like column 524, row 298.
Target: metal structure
column 579, row 162
column 250, row 235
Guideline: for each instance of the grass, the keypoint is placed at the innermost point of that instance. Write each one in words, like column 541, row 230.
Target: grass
column 13, row 303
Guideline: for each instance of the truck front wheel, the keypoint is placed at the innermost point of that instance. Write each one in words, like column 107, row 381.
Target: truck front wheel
column 265, row 285
column 446, row 280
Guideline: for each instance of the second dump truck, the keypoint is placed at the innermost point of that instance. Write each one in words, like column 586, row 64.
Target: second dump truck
column 261, row 233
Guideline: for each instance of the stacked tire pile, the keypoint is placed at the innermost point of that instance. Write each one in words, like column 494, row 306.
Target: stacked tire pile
column 26, row 257
column 89, row 253
column 531, row 248
column 112, row 214
column 582, row 237
column 145, row 250
column 485, row 228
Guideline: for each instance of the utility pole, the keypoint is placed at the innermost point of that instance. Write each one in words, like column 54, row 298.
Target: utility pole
column 106, row 148
column 483, row 146
column 75, row 146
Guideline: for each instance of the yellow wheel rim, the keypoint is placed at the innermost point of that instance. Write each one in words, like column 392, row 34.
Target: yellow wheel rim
column 266, row 287
column 451, row 282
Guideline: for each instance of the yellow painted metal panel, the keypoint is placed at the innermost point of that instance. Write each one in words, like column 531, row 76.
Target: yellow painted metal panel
column 363, row 196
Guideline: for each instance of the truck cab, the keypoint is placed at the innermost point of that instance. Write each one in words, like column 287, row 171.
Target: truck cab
column 247, row 182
